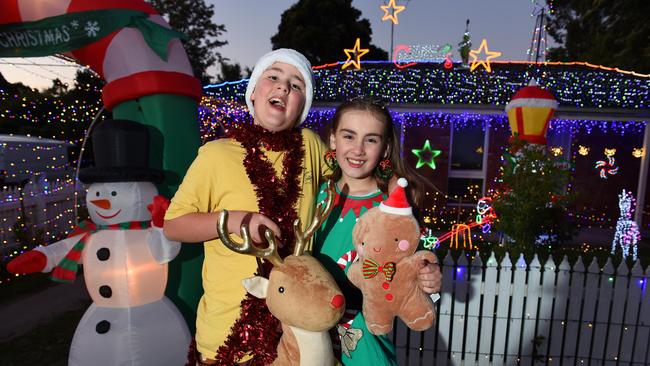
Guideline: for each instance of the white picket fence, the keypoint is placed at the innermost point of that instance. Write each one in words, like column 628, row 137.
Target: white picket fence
column 490, row 314
column 49, row 208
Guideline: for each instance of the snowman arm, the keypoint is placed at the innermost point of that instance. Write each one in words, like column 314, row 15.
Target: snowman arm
column 56, row 251
column 162, row 249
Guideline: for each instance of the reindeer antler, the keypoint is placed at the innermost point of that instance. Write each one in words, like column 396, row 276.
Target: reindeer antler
column 247, row 247
column 319, row 216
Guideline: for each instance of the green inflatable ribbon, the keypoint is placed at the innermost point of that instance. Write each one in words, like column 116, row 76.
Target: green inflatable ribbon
column 68, row 32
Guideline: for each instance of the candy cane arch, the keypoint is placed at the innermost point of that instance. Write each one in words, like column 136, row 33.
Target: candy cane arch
column 148, row 84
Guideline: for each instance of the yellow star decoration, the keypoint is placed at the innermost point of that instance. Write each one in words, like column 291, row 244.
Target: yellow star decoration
column 489, row 55
column 355, row 52
column 392, row 15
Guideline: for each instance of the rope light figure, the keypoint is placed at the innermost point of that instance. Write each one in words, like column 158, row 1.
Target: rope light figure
column 466, row 231
column 627, row 232
column 607, row 167
column 485, row 214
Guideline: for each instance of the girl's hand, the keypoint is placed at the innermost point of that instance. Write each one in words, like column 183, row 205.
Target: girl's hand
column 257, row 224
column 429, row 277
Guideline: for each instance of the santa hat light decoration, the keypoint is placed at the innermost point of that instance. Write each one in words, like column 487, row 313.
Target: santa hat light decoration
column 397, row 203
column 529, row 111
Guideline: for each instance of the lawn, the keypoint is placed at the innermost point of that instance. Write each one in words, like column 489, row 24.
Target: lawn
column 46, row 344
column 21, row 286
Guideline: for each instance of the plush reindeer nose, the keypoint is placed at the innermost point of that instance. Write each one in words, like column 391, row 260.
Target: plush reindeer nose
column 337, row 301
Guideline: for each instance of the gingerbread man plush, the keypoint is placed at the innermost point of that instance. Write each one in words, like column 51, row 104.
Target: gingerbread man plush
column 386, row 239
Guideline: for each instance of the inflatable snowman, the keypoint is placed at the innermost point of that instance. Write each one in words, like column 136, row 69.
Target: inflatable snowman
column 124, row 254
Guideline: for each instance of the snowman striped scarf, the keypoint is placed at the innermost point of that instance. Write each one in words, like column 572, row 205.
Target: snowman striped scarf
column 66, row 270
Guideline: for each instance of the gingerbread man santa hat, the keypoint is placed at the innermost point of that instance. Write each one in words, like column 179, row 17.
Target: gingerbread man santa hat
column 396, row 203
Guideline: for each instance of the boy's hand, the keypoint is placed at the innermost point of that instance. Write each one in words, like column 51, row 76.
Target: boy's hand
column 158, row 208
column 429, row 277
column 257, row 224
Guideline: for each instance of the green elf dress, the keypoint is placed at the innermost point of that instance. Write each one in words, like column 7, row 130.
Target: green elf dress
column 334, row 249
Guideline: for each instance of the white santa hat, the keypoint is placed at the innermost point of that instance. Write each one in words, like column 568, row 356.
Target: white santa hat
column 288, row 56
column 396, row 203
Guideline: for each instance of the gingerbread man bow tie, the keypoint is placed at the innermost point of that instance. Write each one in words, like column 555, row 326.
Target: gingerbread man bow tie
column 371, row 268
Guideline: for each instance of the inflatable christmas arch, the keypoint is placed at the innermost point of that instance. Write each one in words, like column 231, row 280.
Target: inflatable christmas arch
column 148, row 80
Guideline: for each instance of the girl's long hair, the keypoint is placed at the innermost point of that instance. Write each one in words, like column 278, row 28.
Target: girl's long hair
column 417, row 184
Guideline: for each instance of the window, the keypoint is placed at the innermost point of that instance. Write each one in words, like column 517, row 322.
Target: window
column 467, row 163
column 467, row 149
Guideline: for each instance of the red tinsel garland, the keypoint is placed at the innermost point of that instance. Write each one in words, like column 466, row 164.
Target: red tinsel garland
column 257, row 332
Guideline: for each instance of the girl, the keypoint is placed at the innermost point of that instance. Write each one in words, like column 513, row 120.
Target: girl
column 364, row 157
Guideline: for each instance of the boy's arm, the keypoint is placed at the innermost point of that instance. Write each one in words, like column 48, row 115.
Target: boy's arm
column 199, row 226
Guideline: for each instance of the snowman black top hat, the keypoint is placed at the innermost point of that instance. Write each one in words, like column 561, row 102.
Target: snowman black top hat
column 121, row 150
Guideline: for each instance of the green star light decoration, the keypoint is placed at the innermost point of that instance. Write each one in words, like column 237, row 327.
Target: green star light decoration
column 426, row 155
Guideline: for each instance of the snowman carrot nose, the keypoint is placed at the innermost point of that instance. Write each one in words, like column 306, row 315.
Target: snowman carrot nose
column 105, row 204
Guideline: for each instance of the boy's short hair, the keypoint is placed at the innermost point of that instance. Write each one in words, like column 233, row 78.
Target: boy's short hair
column 288, row 56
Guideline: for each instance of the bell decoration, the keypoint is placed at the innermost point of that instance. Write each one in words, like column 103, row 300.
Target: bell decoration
column 529, row 111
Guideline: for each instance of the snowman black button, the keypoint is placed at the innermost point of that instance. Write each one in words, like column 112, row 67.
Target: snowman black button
column 103, row 254
column 103, row 327
column 105, row 291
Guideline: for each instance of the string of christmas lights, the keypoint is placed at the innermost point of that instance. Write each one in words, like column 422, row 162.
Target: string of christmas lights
column 572, row 84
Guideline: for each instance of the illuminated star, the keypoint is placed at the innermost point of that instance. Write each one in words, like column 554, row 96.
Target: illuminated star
column 355, row 53
column 392, row 15
column 426, row 155
column 489, row 55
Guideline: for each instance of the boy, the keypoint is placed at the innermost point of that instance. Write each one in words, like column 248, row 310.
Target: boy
column 262, row 174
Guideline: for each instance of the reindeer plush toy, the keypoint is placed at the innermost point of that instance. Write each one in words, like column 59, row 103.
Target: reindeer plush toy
column 386, row 239
column 299, row 292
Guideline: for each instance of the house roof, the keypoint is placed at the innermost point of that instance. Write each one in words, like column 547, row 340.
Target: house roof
column 580, row 88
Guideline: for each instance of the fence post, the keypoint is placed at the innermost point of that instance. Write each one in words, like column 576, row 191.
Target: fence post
column 487, row 313
column 588, row 313
column 602, row 312
column 445, row 303
column 631, row 330
column 528, row 347
column 560, row 293
column 473, row 310
column 503, row 309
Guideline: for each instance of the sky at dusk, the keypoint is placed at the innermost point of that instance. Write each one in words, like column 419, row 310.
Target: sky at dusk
column 506, row 24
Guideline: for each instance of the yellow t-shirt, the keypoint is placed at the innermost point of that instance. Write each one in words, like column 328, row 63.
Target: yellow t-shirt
column 217, row 180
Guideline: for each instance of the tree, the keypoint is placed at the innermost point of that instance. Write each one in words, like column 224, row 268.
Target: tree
column 231, row 72
column 321, row 29
column 465, row 45
column 532, row 203
column 57, row 89
column 194, row 18
column 88, row 81
column 605, row 32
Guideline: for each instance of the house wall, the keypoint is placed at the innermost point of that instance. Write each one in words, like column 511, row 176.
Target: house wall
column 596, row 201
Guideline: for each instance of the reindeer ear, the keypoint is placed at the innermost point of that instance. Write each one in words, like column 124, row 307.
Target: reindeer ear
column 256, row 286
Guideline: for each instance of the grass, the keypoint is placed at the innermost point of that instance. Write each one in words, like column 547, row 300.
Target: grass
column 46, row 344
column 24, row 285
